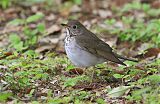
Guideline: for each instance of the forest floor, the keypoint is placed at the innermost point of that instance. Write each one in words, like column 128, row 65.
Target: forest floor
column 34, row 67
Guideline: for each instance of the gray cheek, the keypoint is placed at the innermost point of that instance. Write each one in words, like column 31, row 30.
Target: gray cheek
column 79, row 32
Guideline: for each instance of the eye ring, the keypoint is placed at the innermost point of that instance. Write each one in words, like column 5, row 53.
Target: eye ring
column 74, row 27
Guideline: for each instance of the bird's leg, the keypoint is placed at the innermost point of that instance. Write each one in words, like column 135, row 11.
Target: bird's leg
column 77, row 72
column 92, row 75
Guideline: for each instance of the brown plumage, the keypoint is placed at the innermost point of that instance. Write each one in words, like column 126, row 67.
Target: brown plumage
column 89, row 42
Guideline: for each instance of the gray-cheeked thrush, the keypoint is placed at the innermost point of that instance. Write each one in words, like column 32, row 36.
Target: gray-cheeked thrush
column 85, row 49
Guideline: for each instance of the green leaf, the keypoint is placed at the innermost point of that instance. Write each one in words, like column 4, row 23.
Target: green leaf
column 56, row 100
column 35, row 102
column 16, row 42
column 19, row 46
column 100, row 101
column 78, row 2
column 16, row 22
column 118, row 91
column 31, row 53
column 34, row 18
column 14, row 39
column 69, row 67
column 30, row 33
column 118, row 75
column 128, row 19
column 33, row 40
column 77, row 101
column 154, row 79
column 5, row 96
column 137, row 94
column 153, row 12
column 73, row 81
column 146, row 7
column 41, row 27
column 110, row 21
column 5, row 3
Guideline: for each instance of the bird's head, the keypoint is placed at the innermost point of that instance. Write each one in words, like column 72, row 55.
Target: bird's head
column 74, row 28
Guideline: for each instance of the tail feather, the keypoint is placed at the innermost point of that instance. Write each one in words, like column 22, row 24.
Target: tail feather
column 125, row 58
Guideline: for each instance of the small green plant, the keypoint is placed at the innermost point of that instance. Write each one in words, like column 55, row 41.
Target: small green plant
column 5, row 3
column 146, row 8
column 131, row 6
column 4, row 96
column 73, row 81
column 143, row 32
column 23, row 71
column 79, row 2
column 100, row 101
column 138, row 29
column 30, row 35
column 110, row 21
column 56, row 100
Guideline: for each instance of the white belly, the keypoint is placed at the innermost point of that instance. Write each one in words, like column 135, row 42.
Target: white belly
column 79, row 57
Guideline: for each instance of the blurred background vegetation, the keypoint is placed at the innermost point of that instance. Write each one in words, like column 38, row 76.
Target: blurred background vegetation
column 34, row 67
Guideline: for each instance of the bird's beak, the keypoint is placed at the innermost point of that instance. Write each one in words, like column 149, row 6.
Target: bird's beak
column 65, row 25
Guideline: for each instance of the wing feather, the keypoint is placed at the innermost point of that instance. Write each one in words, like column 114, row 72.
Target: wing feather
column 97, row 47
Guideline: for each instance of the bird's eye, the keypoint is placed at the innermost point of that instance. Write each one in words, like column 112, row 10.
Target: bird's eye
column 74, row 27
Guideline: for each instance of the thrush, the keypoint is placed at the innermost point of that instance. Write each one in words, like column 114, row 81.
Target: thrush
column 85, row 49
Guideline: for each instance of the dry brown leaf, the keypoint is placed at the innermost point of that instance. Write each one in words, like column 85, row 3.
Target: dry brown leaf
column 77, row 71
column 52, row 29
column 151, row 52
column 45, row 48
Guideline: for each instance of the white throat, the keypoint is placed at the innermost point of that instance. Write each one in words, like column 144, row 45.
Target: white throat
column 68, row 33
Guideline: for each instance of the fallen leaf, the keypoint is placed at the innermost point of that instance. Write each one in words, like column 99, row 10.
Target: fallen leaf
column 151, row 52
column 75, row 8
column 104, row 13
column 45, row 48
column 156, row 4
column 118, row 91
column 53, row 29
column 89, row 86
column 76, row 71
